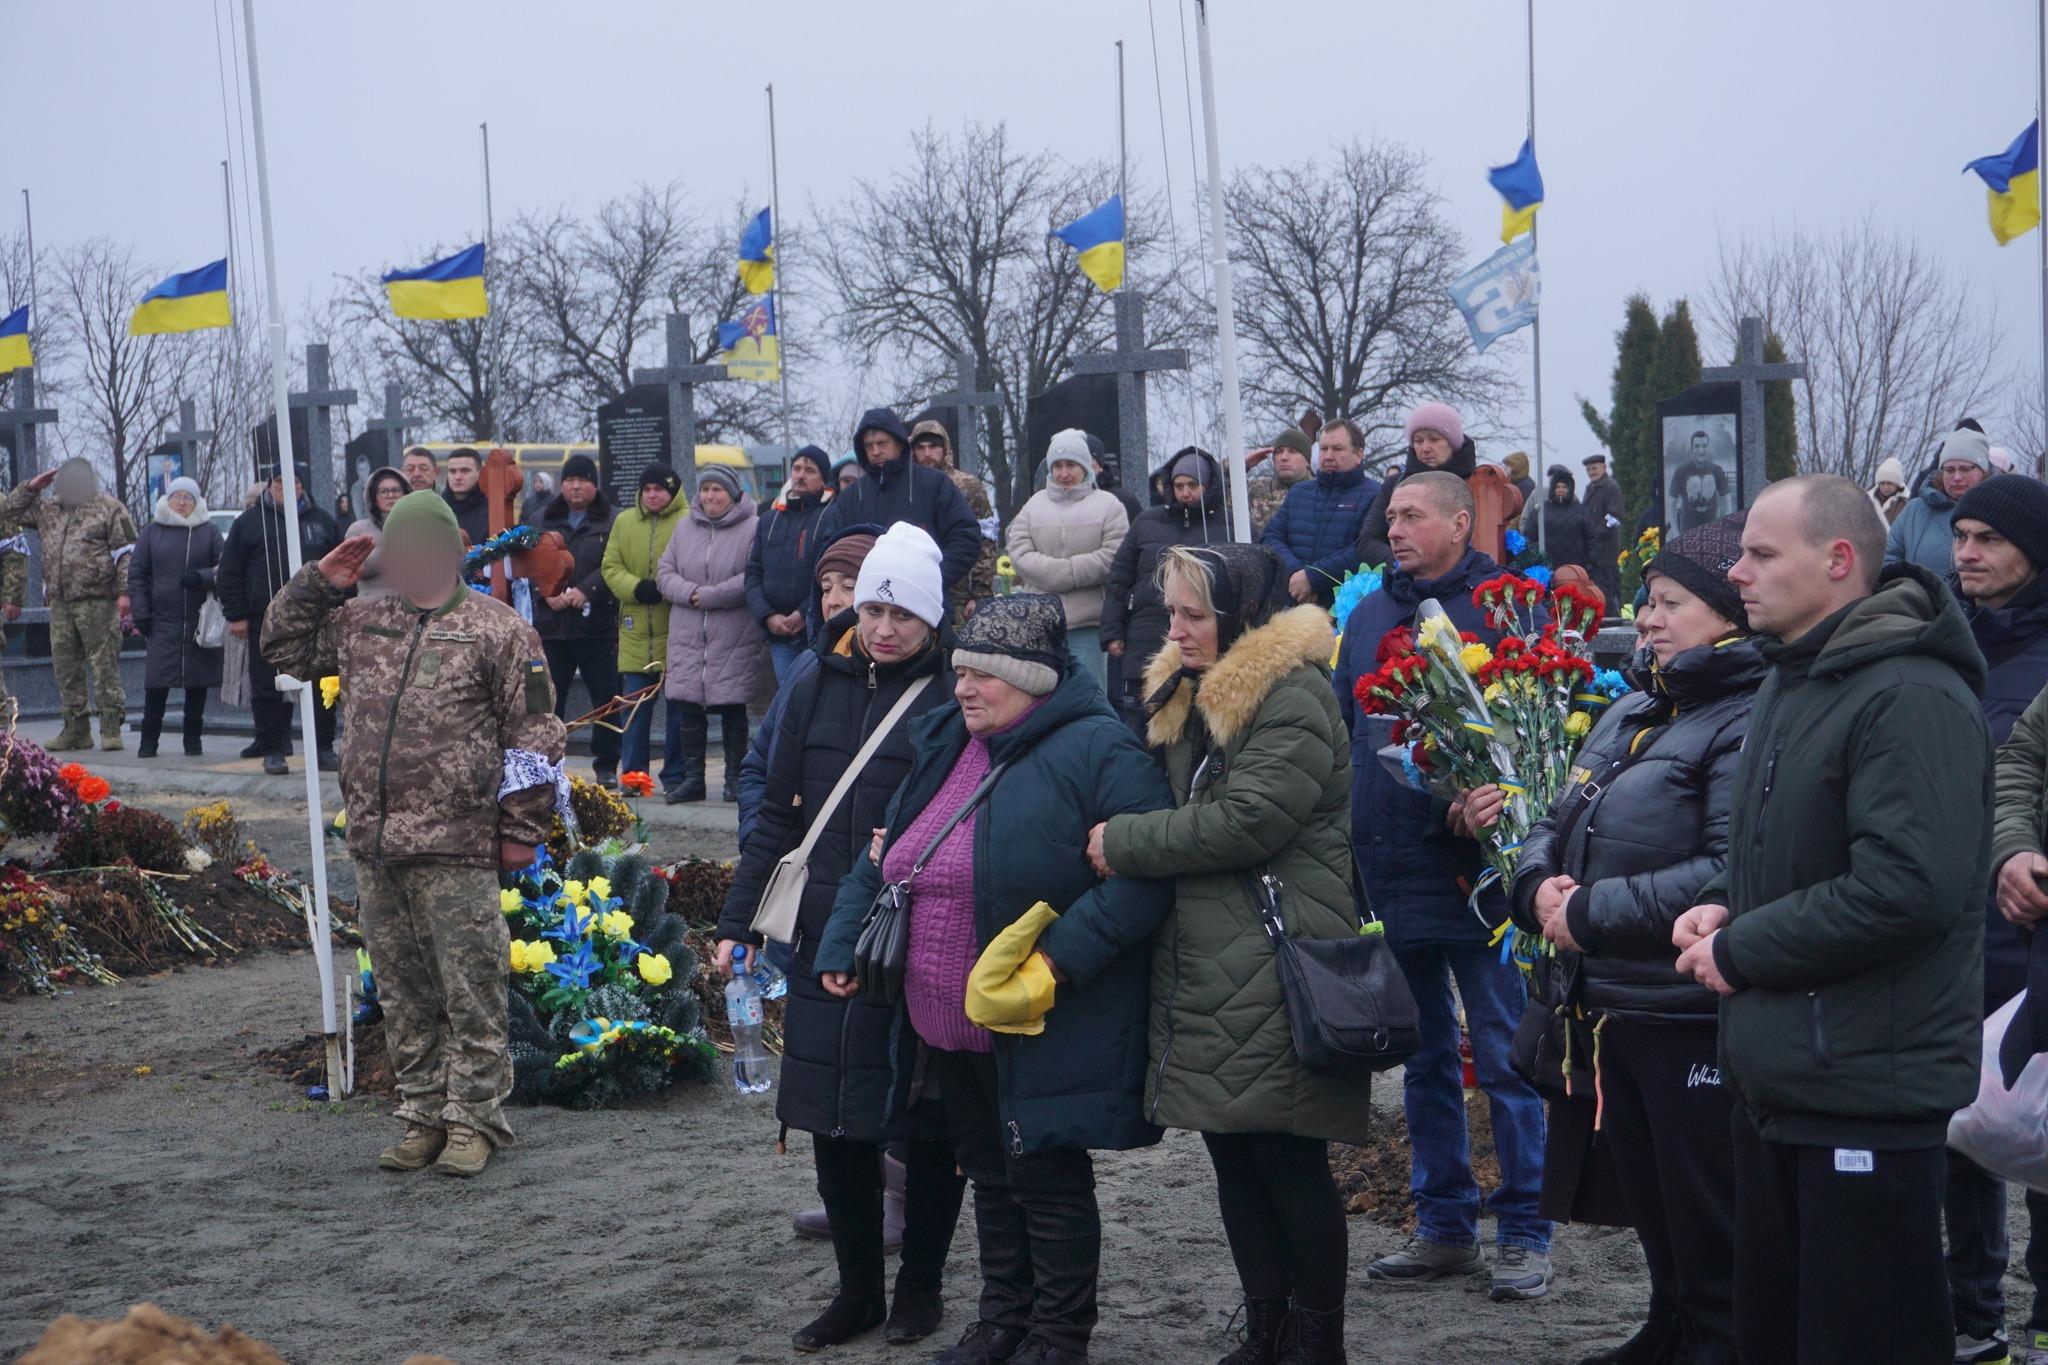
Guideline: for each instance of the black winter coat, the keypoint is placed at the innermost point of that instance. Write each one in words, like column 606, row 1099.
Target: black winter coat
column 254, row 563
column 1372, row 537
column 1566, row 536
column 1662, row 761
column 836, row 1059
column 904, row 490
column 1132, row 609
column 165, row 610
column 2014, row 640
column 472, row 513
column 587, row 543
column 786, row 543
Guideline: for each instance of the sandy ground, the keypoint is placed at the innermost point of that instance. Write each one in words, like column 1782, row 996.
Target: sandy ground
column 657, row 1232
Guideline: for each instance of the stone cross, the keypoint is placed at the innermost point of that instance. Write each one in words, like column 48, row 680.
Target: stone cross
column 22, row 420
column 964, row 401
column 188, row 437
column 394, row 424
column 682, row 376
column 1750, row 371
column 1129, row 363
column 320, row 401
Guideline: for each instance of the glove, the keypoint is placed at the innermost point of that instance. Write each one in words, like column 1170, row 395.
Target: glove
column 645, row 591
column 1011, row 987
column 191, row 579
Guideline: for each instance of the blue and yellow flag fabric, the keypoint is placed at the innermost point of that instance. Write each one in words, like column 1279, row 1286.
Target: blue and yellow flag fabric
column 2014, row 180
column 191, row 302
column 757, row 254
column 445, row 291
column 1099, row 236
column 748, row 348
column 14, row 351
column 1521, row 190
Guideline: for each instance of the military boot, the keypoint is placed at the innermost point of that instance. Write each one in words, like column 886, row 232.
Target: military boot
column 415, row 1151
column 466, row 1154
column 76, row 734
column 110, row 733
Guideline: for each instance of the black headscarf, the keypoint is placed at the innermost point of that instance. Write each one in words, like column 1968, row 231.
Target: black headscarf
column 1248, row 585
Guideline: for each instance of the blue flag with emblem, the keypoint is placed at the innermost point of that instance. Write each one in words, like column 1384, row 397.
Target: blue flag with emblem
column 1499, row 295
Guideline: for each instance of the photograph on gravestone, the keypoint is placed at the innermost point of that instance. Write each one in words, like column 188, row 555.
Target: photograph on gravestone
column 360, row 458
column 1699, row 432
column 1087, row 401
column 1749, row 374
column 165, row 463
column 632, row 433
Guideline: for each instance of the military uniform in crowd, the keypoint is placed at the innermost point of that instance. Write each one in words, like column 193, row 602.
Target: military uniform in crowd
column 13, row 593
column 83, row 532
column 981, row 579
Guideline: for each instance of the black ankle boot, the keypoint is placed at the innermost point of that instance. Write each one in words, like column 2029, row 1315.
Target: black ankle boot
column 1263, row 1321
column 845, row 1318
column 915, row 1315
column 1657, row 1342
column 1318, row 1338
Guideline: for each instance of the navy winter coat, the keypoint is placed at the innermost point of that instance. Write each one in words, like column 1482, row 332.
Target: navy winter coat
column 1317, row 527
column 785, row 546
column 586, row 542
column 904, row 490
column 2014, row 639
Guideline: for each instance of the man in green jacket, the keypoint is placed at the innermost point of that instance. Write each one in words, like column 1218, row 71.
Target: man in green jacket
column 1846, row 936
column 630, row 556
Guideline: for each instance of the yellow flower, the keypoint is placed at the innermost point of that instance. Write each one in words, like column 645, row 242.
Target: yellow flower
column 1621, row 558
column 654, row 968
column 1005, row 567
column 1438, row 633
column 617, row 924
column 1475, row 657
column 600, row 888
column 1577, row 723
column 539, row 954
column 330, row 690
column 341, row 818
column 518, row 955
column 574, row 891
column 509, row 900
column 1494, row 692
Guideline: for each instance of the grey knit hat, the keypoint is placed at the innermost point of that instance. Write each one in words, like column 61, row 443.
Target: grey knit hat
column 723, row 477
column 1020, row 638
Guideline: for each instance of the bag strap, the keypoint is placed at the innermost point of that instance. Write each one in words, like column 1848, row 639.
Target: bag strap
column 853, row 770
column 980, row 795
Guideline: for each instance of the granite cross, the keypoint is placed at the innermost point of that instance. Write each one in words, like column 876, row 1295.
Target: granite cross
column 21, row 421
column 682, row 376
column 964, row 400
column 1750, row 371
column 1129, row 362
column 320, row 401
column 394, row 424
column 187, row 438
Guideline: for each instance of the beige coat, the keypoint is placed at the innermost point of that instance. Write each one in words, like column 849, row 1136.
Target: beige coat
column 1062, row 541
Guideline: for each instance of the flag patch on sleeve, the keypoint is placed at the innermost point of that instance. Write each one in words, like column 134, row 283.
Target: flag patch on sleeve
column 539, row 696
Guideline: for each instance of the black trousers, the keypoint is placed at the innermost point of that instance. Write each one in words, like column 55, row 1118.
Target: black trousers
column 1665, row 1120
column 732, row 729
column 1282, row 1216
column 1838, row 1254
column 1034, row 1215
column 850, row 1181
column 272, row 710
column 154, row 699
column 598, row 662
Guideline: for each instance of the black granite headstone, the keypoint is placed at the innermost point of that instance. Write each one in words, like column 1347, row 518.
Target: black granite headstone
column 632, row 433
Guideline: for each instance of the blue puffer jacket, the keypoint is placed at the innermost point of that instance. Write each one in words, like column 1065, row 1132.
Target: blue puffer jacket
column 2014, row 639
column 1922, row 534
column 1411, row 863
column 1317, row 527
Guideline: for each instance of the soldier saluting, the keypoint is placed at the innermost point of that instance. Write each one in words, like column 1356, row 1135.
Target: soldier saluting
column 449, row 771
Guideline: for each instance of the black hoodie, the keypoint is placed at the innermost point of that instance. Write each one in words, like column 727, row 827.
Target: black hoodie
column 1372, row 537
column 904, row 490
column 1132, row 610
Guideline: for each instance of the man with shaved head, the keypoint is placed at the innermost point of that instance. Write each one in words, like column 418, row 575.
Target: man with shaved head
column 1846, row 935
column 1419, row 861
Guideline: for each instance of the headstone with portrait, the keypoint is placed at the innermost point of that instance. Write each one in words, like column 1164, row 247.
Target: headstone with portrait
column 1700, row 479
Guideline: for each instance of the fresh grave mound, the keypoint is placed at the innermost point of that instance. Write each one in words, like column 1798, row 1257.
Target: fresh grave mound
column 150, row 1336
column 710, row 989
column 697, row 889
column 304, row 1063
column 1373, row 1179
column 138, row 923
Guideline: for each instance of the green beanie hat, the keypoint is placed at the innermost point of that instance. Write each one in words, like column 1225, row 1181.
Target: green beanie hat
column 425, row 518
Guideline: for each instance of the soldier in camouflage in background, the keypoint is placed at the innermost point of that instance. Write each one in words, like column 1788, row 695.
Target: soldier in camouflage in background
column 85, row 535
column 13, row 597
column 450, row 763
column 1287, row 463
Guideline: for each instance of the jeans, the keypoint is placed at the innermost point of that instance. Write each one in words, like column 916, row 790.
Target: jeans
column 1086, row 644
column 1974, row 1205
column 633, row 748
column 1446, row 1196
column 782, row 652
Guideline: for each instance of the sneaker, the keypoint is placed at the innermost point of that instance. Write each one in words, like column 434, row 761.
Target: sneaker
column 415, row 1151
column 984, row 1343
column 466, row 1154
column 1420, row 1260
column 1991, row 1350
column 1519, row 1273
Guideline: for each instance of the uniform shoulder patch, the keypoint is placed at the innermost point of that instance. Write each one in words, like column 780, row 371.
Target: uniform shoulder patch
column 540, row 697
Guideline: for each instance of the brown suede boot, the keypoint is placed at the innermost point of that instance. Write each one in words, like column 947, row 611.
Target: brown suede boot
column 415, row 1151
column 76, row 734
column 466, row 1154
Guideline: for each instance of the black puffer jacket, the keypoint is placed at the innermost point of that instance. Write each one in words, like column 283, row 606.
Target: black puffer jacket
column 1372, row 537
column 2014, row 639
column 1132, row 609
column 836, row 1058
column 255, row 563
column 1664, row 760
column 586, row 542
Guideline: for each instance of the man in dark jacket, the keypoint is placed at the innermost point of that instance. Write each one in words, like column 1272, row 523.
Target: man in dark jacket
column 579, row 626
column 1846, row 936
column 896, row 488
column 779, row 565
column 254, row 567
column 1133, row 613
column 463, row 472
column 1418, row 871
column 1566, row 529
column 1605, row 512
column 1315, row 532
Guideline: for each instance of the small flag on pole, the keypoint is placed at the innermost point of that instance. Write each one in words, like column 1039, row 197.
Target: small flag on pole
column 1500, row 294
column 192, row 302
column 757, row 254
column 2013, row 181
column 445, row 291
column 14, row 351
column 748, row 348
column 1521, row 190
column 1099, row 236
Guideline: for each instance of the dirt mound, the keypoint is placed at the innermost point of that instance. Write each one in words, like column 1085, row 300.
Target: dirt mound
column 216, row 916
column 1373, row 1179
column 304, row 1063
column 147, row 1336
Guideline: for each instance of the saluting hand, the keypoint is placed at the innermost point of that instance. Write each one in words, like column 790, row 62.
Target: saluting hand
column 342, row 566
column 43, row 480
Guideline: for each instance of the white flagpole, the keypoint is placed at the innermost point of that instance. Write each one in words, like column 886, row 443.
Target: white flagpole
column 775, row 294
column 323, row 946
column 2041, row 187
column 491, row 321
column 1226, row 315
column 1541, row 472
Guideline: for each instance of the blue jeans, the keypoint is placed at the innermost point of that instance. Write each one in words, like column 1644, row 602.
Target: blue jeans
column 640, row 731
column 1978, row 1252
column 1433, row 1093
column 782, row 652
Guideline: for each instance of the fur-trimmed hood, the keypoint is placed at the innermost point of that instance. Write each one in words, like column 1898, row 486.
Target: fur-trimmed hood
column 1237, row 685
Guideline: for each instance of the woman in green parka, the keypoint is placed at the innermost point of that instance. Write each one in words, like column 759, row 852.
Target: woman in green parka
column 638, row 537
column 1259, row 761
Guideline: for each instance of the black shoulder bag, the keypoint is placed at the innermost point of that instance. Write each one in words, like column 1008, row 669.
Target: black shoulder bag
column 884, row 944
column 1348, row 1003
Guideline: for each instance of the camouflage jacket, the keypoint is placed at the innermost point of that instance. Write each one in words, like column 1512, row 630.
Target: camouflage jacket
column 13, row 565
column 981, row 579
column 79, row 543
column 435, row 699
column 1266, row 495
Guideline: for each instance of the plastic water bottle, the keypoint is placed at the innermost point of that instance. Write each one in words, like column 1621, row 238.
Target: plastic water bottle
column 750, row 1073
column 774, row 985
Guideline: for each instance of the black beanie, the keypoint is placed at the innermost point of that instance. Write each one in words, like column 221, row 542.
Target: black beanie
column 2016, row 507
column 657, row 475
column 579, row 467
column 1699, row 561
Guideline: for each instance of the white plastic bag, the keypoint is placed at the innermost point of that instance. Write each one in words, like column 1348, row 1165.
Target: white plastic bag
column 212, row 630
column 2006, row 1131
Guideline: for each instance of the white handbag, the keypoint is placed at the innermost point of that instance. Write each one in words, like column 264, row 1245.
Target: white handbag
column 775, row 918
column 212, row 631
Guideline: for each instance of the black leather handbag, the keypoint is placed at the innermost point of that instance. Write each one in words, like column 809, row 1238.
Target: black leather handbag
column 1348, row 1003
column 884, row 944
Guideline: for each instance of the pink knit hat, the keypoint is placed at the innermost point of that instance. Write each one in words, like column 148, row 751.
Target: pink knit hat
column 1437, row 417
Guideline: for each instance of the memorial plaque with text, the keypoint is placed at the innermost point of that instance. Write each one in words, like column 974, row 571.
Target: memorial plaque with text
column 632, row 433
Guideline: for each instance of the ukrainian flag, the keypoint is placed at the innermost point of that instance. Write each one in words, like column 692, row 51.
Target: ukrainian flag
column 748, row 348
column 444, row 291
column 1521, row 190
column 14, row 351
column 191, row 302
column 2014, row 178
column 757, row 254
column 1099, row 236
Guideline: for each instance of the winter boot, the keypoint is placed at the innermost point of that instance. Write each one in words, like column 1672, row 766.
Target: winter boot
column 195, row 720
column 695, row 741
column 466, row 1154
column 732, row 729
column 1264, row 1321
column 152, row 721
column 110, row 732
column 416, row 1151
column 76, row 734
column 1318, row 1338
column 1657, row 1342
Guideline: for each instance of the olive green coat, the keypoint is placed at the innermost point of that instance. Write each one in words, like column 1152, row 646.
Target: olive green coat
column 1274, row 792
column 633, row 551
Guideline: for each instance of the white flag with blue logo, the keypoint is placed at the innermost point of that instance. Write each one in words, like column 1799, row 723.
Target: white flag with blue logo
column 1500, row 293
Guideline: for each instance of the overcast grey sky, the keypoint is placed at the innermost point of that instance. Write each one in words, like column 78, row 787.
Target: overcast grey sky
column 1660, row 126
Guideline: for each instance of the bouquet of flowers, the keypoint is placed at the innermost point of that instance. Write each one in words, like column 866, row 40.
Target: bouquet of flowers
column 37, row 948
column 1632, row 560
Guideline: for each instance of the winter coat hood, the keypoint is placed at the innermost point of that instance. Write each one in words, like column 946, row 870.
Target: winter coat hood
column 201, row 514
column 2006, row 632
column 1210, row 508
column 931, row 427
column 1233, row 688
column 1699, row 675
column 1912, row 612
column 884, row 420
column 370, row 512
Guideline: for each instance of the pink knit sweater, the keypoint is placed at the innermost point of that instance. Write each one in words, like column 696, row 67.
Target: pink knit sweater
column 942, row 947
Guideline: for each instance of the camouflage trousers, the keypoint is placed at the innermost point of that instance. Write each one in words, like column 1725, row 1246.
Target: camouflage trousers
column 86, row 634
column 441, row 952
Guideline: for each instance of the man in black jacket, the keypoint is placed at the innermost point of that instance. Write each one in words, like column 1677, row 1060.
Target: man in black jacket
column 779, row 566
column 579, row 626
column 1846, row 935
column 463, row 470
column 1606, row 510
column 896, row 488
column 254, row 567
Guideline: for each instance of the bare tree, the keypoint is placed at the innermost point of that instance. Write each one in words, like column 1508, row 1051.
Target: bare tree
column 49, row 336
column 1896, row 346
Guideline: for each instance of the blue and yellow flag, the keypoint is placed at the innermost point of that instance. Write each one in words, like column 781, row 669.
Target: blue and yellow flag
column 748, row 348
column 191, row 302
column 1099, row 236
column 14, row 351
column 757, row 254
column 1521, row 190
column 2014, row 181
column 445, row 291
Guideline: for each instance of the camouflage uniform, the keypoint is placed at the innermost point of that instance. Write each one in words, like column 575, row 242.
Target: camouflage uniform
column 13, row 589
column 981, row 579
column 1267, row 493
column 443, row 694
column 81, row 581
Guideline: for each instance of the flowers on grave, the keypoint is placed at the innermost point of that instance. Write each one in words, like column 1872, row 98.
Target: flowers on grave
column 39, row 951
column 1632, row 560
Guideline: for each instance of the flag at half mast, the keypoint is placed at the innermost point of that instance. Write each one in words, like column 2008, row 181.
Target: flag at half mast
column 449, row 289
column 1099, row 236
column 749, row 347
column 757, row 253
column 1520, row 186
column 194, row 301
column 14, row 351
column 2013, row 180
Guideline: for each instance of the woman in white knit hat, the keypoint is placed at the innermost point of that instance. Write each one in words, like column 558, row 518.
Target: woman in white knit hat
column 1065, row 538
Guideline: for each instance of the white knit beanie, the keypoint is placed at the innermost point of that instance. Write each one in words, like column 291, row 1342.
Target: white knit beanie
column 904, row 570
